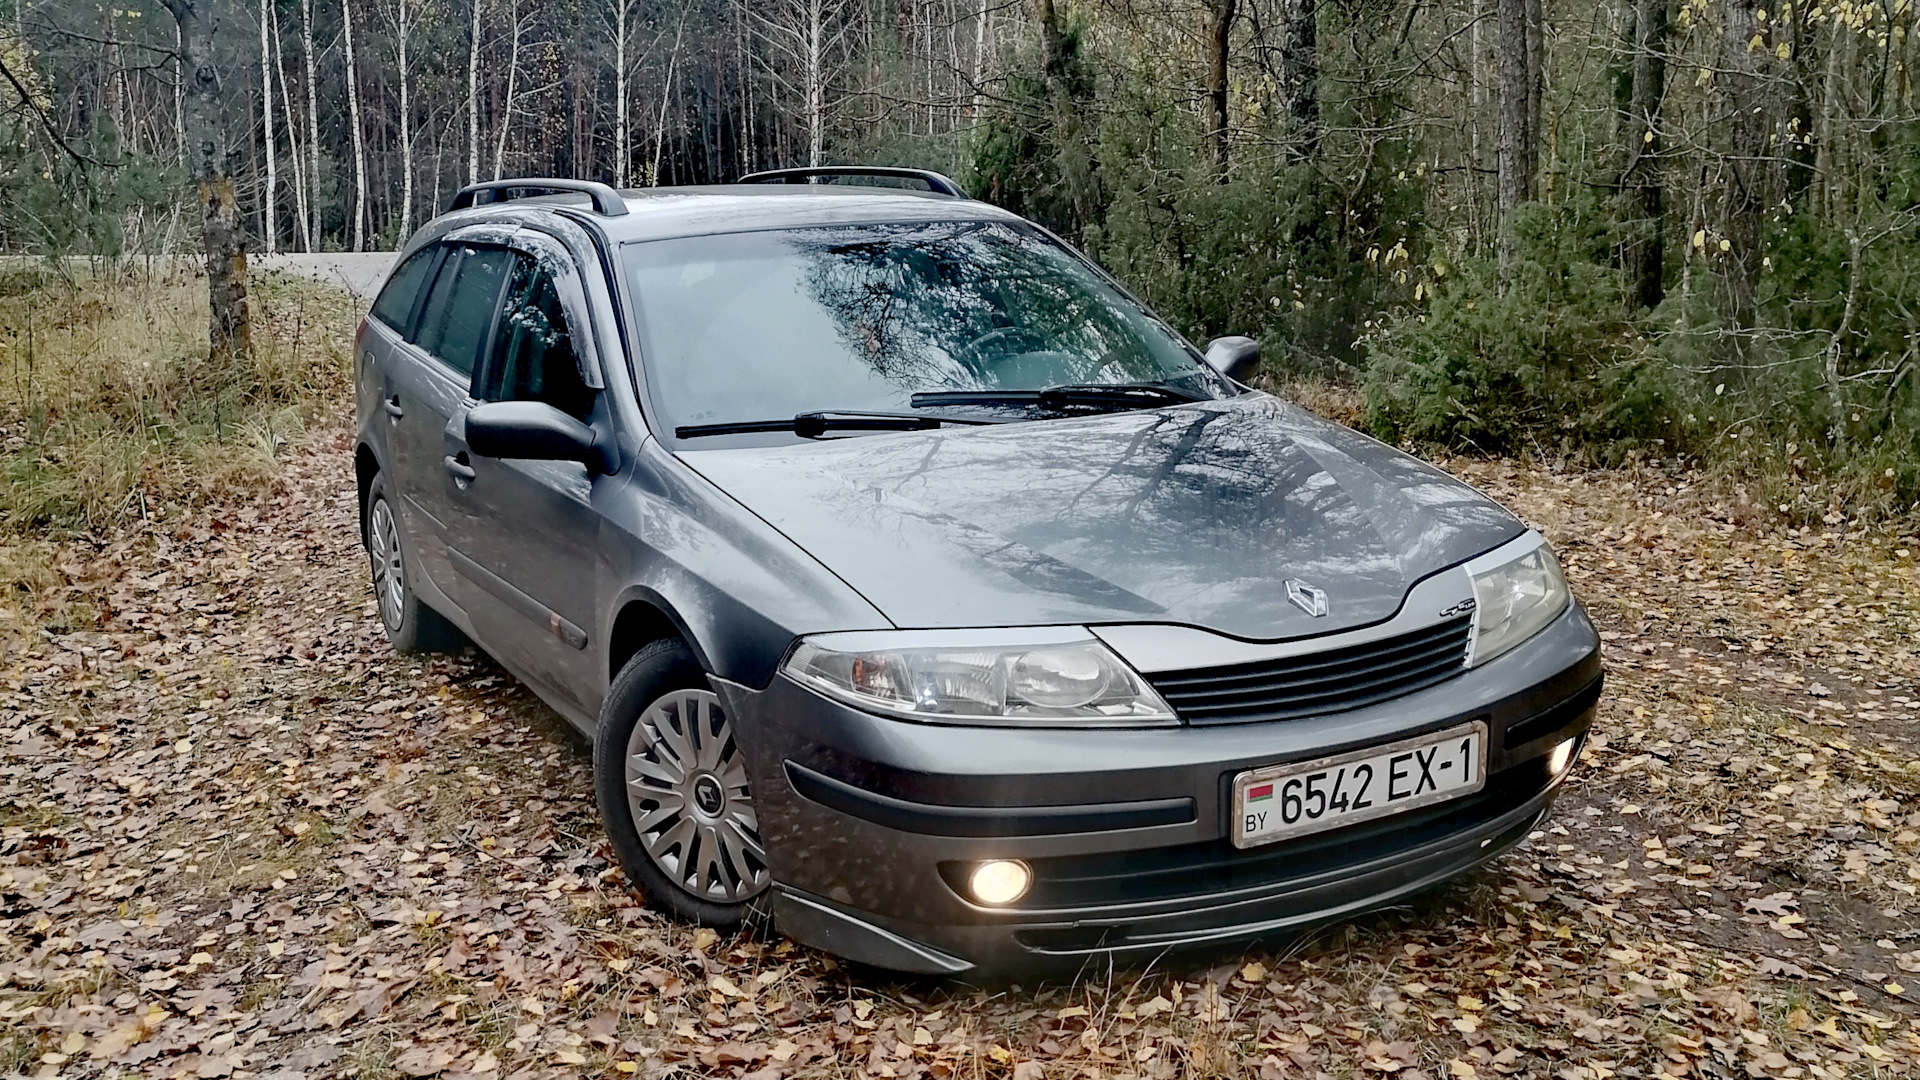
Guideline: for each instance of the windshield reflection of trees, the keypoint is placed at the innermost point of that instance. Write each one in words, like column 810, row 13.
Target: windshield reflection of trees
column 972, row 305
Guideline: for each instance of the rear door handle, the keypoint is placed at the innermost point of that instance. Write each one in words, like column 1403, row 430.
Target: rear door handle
column 392, row 405
column 458, row 466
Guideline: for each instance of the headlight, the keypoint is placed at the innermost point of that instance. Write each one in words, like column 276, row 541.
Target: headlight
column 1037, row 677
column 1515, row 601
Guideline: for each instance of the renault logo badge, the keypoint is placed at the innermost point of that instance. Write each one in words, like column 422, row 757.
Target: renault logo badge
column 1307, row 598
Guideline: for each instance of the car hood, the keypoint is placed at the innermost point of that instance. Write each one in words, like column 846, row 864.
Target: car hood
column 1195, row 514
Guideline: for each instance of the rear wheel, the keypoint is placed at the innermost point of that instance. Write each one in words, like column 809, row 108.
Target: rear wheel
column 411, row 626
column 671, row 781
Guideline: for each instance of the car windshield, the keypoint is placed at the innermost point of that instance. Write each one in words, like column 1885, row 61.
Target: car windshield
column 759, row 326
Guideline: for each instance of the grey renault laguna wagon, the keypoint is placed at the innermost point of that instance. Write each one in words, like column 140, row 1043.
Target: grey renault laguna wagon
column 924, row 594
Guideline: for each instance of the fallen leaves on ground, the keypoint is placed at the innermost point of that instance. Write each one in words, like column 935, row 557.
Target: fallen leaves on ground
column 239, row 837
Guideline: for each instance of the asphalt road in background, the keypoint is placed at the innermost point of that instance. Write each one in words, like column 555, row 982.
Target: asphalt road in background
column 358, row 272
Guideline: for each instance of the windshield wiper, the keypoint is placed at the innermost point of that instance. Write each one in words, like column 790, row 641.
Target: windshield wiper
column 813, row 425
column 1069, row 396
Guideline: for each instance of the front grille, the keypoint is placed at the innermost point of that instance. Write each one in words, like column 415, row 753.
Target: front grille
column 1215, row 867
column 1314, row 684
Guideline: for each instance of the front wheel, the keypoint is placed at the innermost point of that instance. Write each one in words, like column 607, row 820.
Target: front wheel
column 671, row 781
column 411, row 626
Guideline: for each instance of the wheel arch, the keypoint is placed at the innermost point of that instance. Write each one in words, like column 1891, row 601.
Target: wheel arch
column 642, row 617
column 366, row 466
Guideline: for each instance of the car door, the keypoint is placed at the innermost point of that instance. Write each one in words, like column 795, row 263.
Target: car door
column 432, row 386
column 389, row 359
column 524, row 537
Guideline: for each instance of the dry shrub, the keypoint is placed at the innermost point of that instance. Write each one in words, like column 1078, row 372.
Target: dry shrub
column 1323, row 397
column 109, row 410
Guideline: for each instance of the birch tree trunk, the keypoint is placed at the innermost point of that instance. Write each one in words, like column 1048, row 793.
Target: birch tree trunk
column 666, row 98
column 406, row 125
column 359, row 141
column 267, row 231
column 473, row 95
column 179, row 86
column 981, row 15
column 816, row 83
column 504, row 124
column 293, row 147
column 620, row 92
column 403, row 26
column 229, row 326
column 313, row 123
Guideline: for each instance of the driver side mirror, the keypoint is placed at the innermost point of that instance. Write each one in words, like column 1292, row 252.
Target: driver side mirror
column 1235, row 357
column 536, row 431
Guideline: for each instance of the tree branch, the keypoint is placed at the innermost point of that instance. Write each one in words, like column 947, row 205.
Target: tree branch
column 26, row 100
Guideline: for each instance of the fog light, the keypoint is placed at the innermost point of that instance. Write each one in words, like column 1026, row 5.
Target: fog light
column 1001, row 881
column 1561, row 757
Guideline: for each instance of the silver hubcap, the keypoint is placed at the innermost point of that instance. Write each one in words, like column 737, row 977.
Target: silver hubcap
column 687, row 788
column 389, row 573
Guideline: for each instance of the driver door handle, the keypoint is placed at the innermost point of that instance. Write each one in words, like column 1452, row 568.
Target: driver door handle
column 458, row 466
column 392, row 405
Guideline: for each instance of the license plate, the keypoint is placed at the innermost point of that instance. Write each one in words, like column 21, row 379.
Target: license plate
column 1282, row 801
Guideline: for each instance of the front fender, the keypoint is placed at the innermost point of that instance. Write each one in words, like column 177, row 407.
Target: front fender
column 736, row 590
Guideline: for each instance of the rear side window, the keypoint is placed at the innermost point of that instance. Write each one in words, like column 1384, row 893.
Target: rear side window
column 533, row 356
column 460, row 309
column 395, row 305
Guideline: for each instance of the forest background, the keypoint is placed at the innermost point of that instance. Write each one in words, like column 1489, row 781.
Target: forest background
column 1606, row 231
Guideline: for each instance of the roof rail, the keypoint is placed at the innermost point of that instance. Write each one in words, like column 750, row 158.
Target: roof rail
column 606, row 201
column 936, row 183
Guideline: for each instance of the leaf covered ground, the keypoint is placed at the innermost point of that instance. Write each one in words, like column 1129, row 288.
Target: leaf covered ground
column 240, row 837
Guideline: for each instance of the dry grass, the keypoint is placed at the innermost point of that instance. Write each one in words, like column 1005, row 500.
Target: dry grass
column 109, row 412
column 1339, row 402
column 108, row 405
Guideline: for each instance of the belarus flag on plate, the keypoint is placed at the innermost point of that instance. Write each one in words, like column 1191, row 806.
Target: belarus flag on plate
column 1260, row 793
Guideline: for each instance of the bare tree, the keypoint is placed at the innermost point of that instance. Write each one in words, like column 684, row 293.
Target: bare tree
column 1645, row 254
column 293, row 145
column 1299, row 75
column 229, row 325
column 1516, row 154
column 1745, row 168
column 810, row 34
column 179, row 85
column 268, row 232
column 622, row 9
column 359, row 137
column 1219, row 37
column 403, row 18
column 473, row 95
column 504, row 123
column 1536, row 88
column 313, row 119
column 666, row 100
column 982, row 20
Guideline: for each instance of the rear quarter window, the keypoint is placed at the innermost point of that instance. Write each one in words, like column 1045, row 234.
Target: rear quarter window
column 395, row 303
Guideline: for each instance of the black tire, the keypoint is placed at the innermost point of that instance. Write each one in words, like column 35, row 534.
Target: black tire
column 664, row 689
column 411, row 626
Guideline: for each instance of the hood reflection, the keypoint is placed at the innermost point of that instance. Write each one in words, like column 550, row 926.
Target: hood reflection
column 1195, row 515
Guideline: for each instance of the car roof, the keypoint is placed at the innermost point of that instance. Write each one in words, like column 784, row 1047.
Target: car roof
column 670, row 212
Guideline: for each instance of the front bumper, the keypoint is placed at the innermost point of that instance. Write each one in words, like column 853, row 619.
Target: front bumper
column 870, row 823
